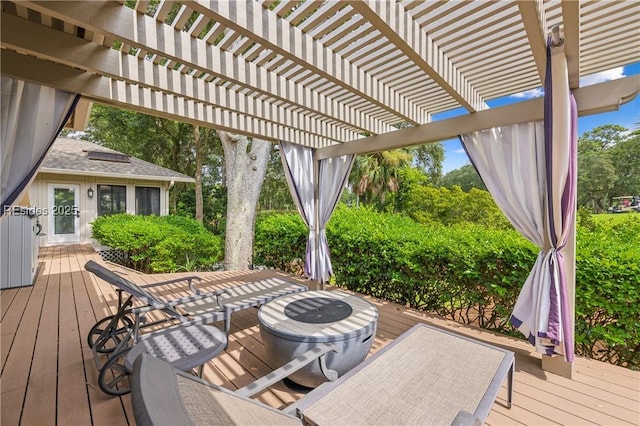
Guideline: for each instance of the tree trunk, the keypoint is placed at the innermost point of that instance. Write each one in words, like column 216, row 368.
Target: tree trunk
column 198, row 144
column 245, row 166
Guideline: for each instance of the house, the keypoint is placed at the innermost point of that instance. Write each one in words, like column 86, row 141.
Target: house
column 79, row 181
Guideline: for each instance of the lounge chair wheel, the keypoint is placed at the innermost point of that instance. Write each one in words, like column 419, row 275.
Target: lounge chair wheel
column 113, row 378
column 107, row 333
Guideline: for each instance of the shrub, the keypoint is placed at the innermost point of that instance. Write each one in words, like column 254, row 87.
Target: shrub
column 280, row 241
column 471, row 273
column 159, row 243
column 427, row 204
column 463, row 272
column 608, row 292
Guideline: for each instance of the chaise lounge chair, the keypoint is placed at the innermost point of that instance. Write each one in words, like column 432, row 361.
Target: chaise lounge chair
column 217, row 305
column 426, row 376
column 186, row 345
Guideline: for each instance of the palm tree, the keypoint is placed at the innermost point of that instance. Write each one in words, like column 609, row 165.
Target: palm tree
column 375, row 175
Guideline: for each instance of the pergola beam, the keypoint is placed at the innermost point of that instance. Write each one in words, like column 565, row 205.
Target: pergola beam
column 127, row 25
column 532, row 13
column 399, row 27
column 263, row 26
column 593, row 99
column 80, row 116
column 141, row 99
column 26, row 36
column 571, row 30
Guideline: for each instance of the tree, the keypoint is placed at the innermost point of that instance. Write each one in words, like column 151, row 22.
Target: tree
column 466, row 177
column 375, row 175
column 428, row 204
column 214, row 200
column 601, row 138
column 429, row 157
column 245, row 167
column 275, row 193
column 408, row 178
column 195, row 151
column 178, row 146
column 607, row 166
column 625, row 156
column 159, row 141
column 596, row 178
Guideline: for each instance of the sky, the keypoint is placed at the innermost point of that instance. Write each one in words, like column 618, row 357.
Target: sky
column 627, row 116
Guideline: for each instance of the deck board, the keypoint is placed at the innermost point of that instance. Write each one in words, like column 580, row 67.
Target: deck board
column 49, row 374
column 582, row 401
column 12, row 316
column 71, row 377
column 17, row 366
column 7, row 299
column 40, row 402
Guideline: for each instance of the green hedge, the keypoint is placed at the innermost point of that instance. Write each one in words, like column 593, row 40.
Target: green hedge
column 431, row 205
column 608, row 291
column 160, row 243
column 280, row 241
column 469, row 273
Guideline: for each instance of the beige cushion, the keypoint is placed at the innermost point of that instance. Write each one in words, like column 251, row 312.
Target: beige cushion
column 207, row 406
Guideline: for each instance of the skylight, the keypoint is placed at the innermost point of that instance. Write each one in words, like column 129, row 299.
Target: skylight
column 108, row 156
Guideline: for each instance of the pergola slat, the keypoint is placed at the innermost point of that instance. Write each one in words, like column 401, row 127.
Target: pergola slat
column 181, row 47
column 324, row 71
column 292, row 43
column 123, row 94
column 533, row 20
column 74, row 52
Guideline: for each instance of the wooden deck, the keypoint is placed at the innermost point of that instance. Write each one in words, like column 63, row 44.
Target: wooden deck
column 49, row 376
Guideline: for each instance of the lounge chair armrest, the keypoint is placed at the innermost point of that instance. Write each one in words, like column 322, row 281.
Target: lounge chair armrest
column 153, row 305
column 286, row 370
column 189, row 279
column 215, row 293
column 169, row 304
column 199, row 295
column 141, row 310
column 156, row 305
column 219, row 293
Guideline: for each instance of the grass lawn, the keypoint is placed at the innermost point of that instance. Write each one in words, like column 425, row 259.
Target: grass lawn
column 613, row 218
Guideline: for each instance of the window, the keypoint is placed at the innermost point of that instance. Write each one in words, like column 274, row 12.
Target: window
column 112, row 199
column 147, row 200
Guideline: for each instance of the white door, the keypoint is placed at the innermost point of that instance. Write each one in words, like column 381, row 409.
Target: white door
column 64, row 213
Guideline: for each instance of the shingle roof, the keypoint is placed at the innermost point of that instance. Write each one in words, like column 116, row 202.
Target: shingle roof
column 70, row 156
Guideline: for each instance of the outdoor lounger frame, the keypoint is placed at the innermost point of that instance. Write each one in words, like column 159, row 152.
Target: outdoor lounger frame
column 114, row 335
column 425, row 376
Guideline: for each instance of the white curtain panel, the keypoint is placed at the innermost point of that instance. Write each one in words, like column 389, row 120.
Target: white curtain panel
column 333, row 176
column 31, row 118
column 297, row 161
column 511, row 162
column 529, row 169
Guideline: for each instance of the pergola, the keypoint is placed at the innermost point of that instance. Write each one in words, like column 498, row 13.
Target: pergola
column 334, row 75
column 341, row 77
